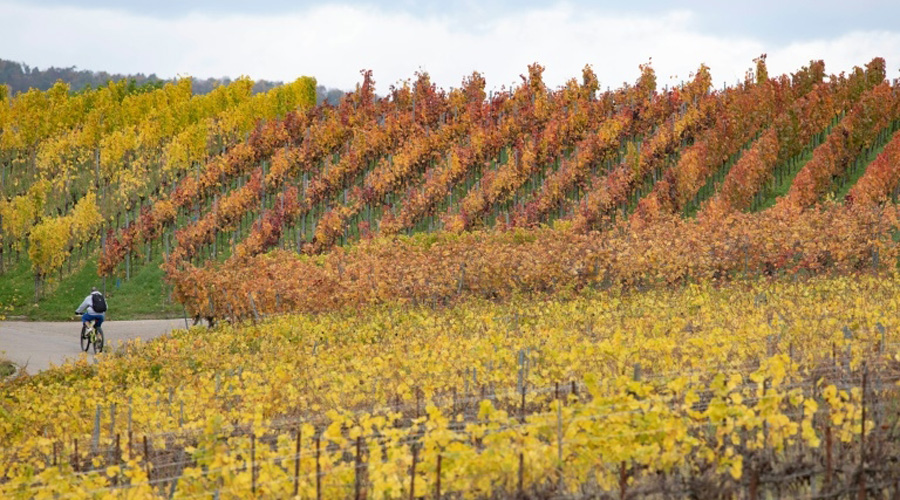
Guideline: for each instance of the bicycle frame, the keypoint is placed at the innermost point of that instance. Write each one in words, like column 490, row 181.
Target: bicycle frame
column 92, row 336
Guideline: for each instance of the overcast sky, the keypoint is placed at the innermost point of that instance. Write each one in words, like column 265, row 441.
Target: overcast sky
column 281, row 39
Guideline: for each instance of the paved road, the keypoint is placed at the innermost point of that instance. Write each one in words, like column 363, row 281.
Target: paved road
column 38, row 344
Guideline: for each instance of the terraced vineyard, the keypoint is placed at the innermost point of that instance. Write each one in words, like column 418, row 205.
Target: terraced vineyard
column 74, row 167
column 538, row 292
column 419, row 160
column 595, row 166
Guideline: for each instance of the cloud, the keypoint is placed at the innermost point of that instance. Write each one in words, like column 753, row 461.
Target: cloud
column 334, row 42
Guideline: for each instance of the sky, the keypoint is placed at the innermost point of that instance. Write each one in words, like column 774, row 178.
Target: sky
column 282, row 39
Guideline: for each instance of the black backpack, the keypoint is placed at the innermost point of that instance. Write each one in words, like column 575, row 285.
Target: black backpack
column 98, row 303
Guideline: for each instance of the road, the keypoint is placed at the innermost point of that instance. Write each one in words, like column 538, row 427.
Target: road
column 37, row 345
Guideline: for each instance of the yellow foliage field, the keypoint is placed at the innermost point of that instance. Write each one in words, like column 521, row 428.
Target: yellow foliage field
column 574, row 394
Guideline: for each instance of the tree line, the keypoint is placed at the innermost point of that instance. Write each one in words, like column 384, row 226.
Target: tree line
column 20, row 77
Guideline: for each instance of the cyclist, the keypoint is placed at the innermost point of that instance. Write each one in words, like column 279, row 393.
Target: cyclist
column 93, row 307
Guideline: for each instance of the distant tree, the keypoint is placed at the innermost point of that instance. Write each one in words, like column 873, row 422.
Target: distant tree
column 19, row 77
column 332, row 96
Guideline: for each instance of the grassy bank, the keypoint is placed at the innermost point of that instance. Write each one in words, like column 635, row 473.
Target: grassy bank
column 7, row 367
column 144, row 296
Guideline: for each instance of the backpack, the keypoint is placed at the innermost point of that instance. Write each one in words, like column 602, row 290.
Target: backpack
column 98, row 303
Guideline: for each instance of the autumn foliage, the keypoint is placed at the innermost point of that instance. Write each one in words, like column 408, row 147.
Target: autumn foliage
column 443, row 268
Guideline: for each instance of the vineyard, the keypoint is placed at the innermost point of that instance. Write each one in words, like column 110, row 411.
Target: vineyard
column 76, row 166
column 769, row 387
column 205, row 184
column 336, row 189
column 685, row 291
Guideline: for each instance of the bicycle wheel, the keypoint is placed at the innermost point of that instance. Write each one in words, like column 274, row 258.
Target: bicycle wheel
column 98, row 340
column 85, row 340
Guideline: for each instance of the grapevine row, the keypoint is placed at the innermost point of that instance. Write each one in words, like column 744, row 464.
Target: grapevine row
column 485, row 264
column 609, row 191
column 746, row 110
column 876, row 109
column 879, row 183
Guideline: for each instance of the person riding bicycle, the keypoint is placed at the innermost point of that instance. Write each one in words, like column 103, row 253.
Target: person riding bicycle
column 94, row 308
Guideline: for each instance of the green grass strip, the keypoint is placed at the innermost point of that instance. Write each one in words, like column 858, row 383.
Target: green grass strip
column 859, row 166
column 143, row 296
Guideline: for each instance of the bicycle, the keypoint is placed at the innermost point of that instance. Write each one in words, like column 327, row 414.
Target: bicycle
column 91, row 336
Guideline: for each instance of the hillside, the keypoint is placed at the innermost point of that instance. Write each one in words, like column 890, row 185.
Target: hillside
column 426, row 160
column 74, row 165
column 533, row 293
